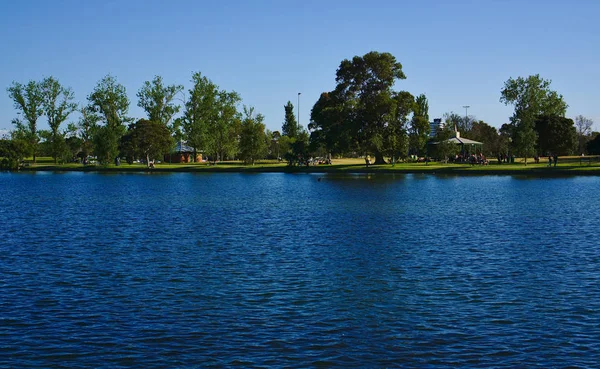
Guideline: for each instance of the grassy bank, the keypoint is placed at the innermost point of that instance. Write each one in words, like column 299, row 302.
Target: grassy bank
column 566, row 166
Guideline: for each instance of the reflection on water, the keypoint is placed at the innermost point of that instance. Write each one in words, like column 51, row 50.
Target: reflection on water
column 296, row 270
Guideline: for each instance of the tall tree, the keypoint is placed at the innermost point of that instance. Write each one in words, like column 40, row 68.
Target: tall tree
column 58, row 103
column 200, row 111
column 221, row 140
column 253, row 141
column 157, row 100
column 28, row 100
column 419, row 127
column 556, row 135
column 365, row 83
column 110, row 103
column 584, row 128
column 531, row 97
column 290, row 126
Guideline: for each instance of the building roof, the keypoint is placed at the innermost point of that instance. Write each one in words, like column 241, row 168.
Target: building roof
column 182, row 147
column 463, row 141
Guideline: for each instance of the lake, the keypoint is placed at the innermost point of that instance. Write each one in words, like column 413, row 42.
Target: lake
column 298, row 270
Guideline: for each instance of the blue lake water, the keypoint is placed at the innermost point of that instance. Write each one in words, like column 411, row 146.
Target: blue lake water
column 283, row 270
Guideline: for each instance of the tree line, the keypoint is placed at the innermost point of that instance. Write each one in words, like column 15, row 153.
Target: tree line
column 363, row 115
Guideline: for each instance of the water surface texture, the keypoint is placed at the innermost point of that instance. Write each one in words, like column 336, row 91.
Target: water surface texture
column 284, row 270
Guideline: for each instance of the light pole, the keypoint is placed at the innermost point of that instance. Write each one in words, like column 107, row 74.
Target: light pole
column 466, row 111
column 299, row 93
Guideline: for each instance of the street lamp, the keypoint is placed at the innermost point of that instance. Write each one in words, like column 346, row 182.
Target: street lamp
column 299, row 93
column 466, row 111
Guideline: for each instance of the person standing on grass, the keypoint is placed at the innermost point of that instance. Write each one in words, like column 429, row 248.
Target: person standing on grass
column 555, row 159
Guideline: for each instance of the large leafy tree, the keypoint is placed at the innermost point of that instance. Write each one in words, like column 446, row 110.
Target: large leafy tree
column 366, row 83
column 290, row 127
column 488, row 135
column 221, row 134
column 531, row 98
column 200, row 111
column 28, row 100
column 109, row 102
column 362, row 102
column 58, row 104
column 330, row 126
column 419, row 126
column 147, row 139
column 556, row 135
column 253, row 140
column 157, row 100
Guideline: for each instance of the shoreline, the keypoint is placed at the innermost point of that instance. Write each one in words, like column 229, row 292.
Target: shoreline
column 449, row 169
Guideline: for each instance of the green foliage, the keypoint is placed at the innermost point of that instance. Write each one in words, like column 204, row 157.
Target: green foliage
column 395, row 137
column 253, row 140
column 221, row 136
column 157, row 100
column 146, row 139
column 290, row 127
column 443, row 149
column 593, row 146
column 12, row 153
column 28, row 99
column 58, row 103
column 531, row 98
column 110, row 104
column 486, row 134
column 200, row 111
column 109, row 100
column 361, row 106
column 556, row 135
column 419, row 127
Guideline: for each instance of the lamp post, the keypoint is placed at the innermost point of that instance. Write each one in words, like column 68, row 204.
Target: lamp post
column 299, row 93
column 466, row 111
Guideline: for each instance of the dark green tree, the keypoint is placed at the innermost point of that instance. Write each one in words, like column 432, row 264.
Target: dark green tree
column 329, row 125
column 488, row 135
column 362, row 101
column 109, row 102
column 253, row 141
column 58, row 104
column 157, row 100
column 531, row 98
column 147, row 139
column 593, row 146
column 12, row 152
column 556, row 135
column 290, row 127
column 28, row 100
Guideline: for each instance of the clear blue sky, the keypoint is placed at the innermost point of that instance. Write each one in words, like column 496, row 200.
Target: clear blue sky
column 456, row 52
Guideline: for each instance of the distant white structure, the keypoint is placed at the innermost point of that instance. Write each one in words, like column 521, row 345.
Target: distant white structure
column 435, row 126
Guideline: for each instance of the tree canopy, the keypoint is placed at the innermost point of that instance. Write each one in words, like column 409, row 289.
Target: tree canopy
column 531, row 98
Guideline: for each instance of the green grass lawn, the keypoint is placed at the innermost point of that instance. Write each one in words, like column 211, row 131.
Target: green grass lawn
column 566, row 165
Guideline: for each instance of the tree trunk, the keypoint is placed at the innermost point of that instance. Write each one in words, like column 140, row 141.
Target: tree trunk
column 379, row 159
